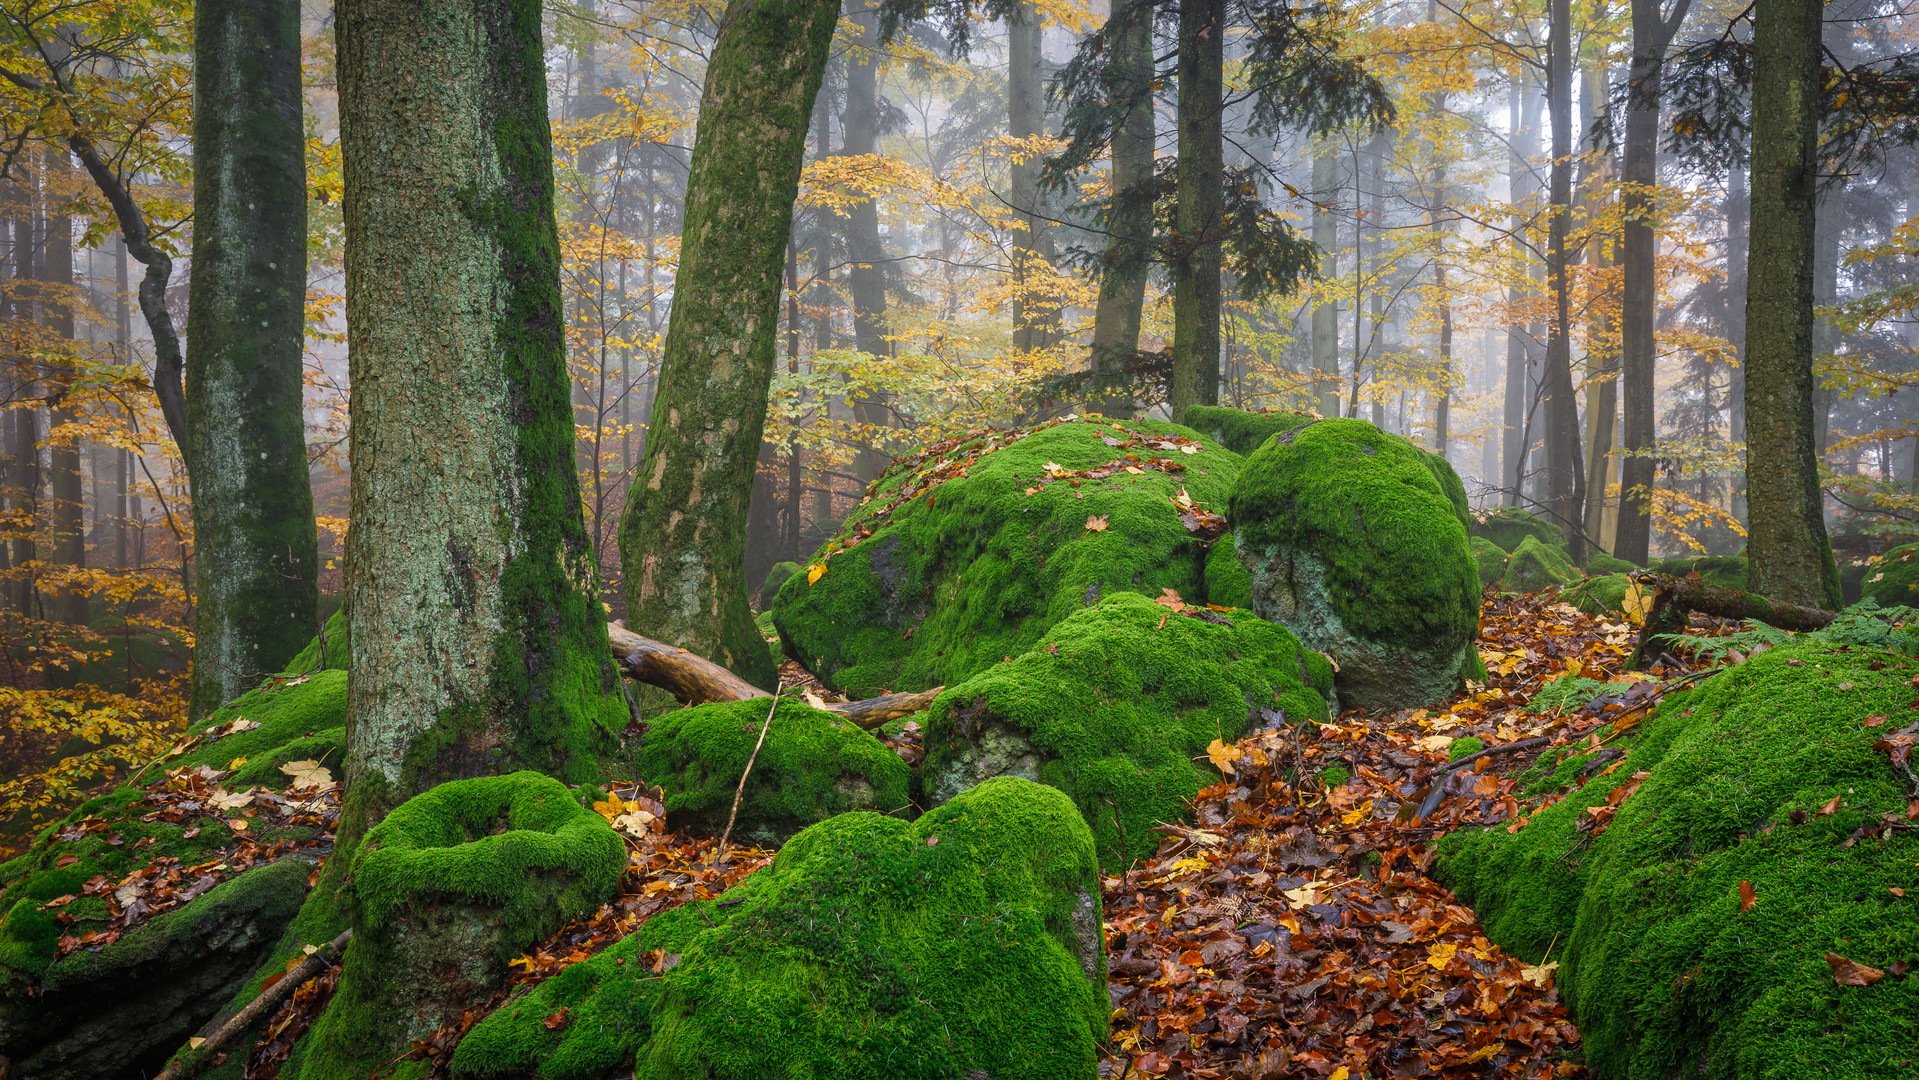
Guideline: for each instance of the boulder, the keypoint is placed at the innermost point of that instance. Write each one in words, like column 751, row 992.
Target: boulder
column 965, row 944
column 1508, row 525
column 1602, row 563
column 1116, row 708
column 775, row 577
column 1604, row 596
column 1354, row 543
column 969, row 550
column 299, row 719
column 812, row 766
column 1707, row 928
column 1725, row 571
column 1892, row 579
column 1491, row 559
column 1241, row 430
column 1534, row 566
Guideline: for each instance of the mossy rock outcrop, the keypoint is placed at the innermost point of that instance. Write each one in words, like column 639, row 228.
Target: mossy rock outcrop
column 1725, row 571
column 1508, row 525
column 1604, row 596
column 954, row 566
column 1534, row 566
column 300, row 720
column 1892, row 579
column 770, row 585
column 447, row 888
column 812, row 766
column 1241, row 430
column 1491, row 560
column 1354, row 543
column 326, row 652
column 967, row 943
column 1114, row 707
column 1602, row 563
column 1762, row 774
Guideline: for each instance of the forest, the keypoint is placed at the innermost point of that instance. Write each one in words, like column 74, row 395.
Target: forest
column 958, row 539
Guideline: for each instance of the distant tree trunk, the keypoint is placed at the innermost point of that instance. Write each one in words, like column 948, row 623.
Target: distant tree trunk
column 795, row 473
column 1602, row 370
column 1790, row 557
column 866, row 276
column 122, row 354
column 1036, row 314
column 680, row 542
column 25, row 479
column 1738, row 214
column 1326, row 313
column 1565, row 478
column 1652, row 34
column 1122, row 285
column 253, row 529
column 479, row 644
column 1524, row 113
column 65, row 483
column 1199, row 200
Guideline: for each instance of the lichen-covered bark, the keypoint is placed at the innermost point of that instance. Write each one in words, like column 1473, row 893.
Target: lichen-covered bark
column 1786, row 538
column 1199, row 200
column 682, row 540
column 246, row 324
column 478, row 643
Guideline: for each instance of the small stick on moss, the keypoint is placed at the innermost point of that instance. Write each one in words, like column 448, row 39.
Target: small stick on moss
column 740, row 791
column 197, row 1058
column 1438, row 793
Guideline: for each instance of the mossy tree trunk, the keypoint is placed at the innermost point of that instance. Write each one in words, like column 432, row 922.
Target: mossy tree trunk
column 1036, row 315
column 1790, row 557
column 866, row 276
column 246, row 325
column 1199, row 202
column 64, row 485
column 1122, row 284
column 683, row 535
column 1326, row 313
column 479, row 643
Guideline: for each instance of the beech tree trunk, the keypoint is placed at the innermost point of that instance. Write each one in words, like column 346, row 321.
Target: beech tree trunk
column 1790, row 557
column 682, row 536
column 1199, row 201
column 64, row 483
column 1326, row 313
column 1521, row 186
column 865, row 277
column 1035, row 309
column 1565, row 477
column 479, row 645
column 1122, row 284
column 253, row 523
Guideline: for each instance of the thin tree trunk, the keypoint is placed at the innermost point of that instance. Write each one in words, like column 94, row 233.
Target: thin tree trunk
column 26, row 440
column 65, row 482
column 1738, row 213
column 865, row 278
column 681, row 540
column 122, row 354
column 795, row 473
column 1524, row 113
column 1565, row 478
column 1036, row 314
column 1122, row 286
column 1326, row 313
column 1602, row 364
column 1198, row 202
column 1790, row 557
column 253, row 529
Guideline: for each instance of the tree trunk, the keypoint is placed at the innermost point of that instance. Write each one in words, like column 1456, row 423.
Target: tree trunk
column 1790, row 557
column 1602, row 367
column 865, row 280
column 795, row 473
column 479, row 644
column 1036, row 314
column 1326, row 313
column 1565, row 478
column 1738, row 214
column 680, row 542
column 253, row 527
column 1122, row 284
column 1521, row 186
column 1198, row 202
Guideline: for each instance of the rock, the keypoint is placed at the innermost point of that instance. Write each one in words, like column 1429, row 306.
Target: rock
column 967, row 943
column 775, row 577
column 1725, row 571
column 951, row 565
column 1535, row 566
column 812, row 766
column 1355, row 545
column 1892, row 579
column 1491, row 559
column 1114, row 707
column 1508, row 525
column 1240, row 430
column 447, row 888
column 1602, row 563
column 302, row 719
column 1762, row 776
column 1604, row 596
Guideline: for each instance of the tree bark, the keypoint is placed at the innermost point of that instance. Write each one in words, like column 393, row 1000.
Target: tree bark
column 1199, row 200
column 1602, row 370
column 1521, row 186
column 1122, row 284
column 680, row 541
column 1565, row 478
column 64, row 481
column 1790, row 557
column 1326, row 313
column 865, row 278
column 1036, row 314
column 253, row 523
column 479, row 644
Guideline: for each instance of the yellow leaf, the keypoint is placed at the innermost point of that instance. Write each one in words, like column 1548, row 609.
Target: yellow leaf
column 1222, row 756
column 1356, row 816
column 1440, row 955
column 308, row 773
column 815, row 572
column 1636, row 602
column 1340, row 1073
column 1096, row 523
column 1541, row 976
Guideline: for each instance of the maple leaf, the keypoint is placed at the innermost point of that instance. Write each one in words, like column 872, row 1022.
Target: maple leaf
column 308, row 773
column 1852, row 973
column 1747, row 896
column 1096, row 523
column 1441, row 954
column 1540, row 976
column 1169, row 599
column 1222, row 756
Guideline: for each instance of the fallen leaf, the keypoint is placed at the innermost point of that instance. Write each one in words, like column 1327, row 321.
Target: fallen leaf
column 1169, row 599
column 1222, row 756
column 308, row 774
column 556, row 1021
column 1096, row 523
column 815, row 572
column 1747, row 897
column 1540, row 976
column 1830, row 808
column 1852, row 973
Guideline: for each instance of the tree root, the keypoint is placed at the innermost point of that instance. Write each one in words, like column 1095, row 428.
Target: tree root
column 1673, row 598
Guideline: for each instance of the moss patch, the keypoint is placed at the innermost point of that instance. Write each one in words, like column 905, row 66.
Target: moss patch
column 813, row 765
column 1240, row 430
column 1227, row 582
column 1892, row 579
column 966, row 943
column 1113, row 709
column 1459, row 748
column 975, row 570
column 298, row 721
column 326, row 652
column 1491, row 559
column 1725, row 571
column 1509, row 525
column 1535, row 566
column 1598, row 595
column 1665, row 973
column 1354, row 543
column 775, row 577
column 1602, row 563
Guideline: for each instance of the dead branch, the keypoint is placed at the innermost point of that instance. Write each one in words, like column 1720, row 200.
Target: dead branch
column 194, row 1060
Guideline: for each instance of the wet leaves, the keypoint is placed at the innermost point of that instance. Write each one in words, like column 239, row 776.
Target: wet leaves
column 1852, row 973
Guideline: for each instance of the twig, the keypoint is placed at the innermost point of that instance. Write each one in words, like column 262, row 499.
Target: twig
column 1438, row 793
column 196, row 1059
column 740, row 791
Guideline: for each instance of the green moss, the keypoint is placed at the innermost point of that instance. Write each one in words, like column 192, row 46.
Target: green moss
column 1491, row 559
column 950, row 583
column 775, row 577
column 1508, row 525
column 1239, row 430
column 1665, row 973
column 1892, row 579
column 298, row 721
column 1460, row 747
column 1725, row 571
column 763, row 622
column 1335, row 776
column 1355, row 545
column 1227, row 582
column 1601, row 596
column 1601, row 564
column 966, row 943
column 812, row 766
column 326, row 652
column 1114, row 708
column 1535, row 566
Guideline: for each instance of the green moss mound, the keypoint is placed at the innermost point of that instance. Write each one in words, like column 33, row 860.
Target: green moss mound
column 812, row 766
column 975, row 570
column 451, row 885
column 1491, row 559
column 1355, row 545
column 775, row 577
column 1535, row 566
column 1602, row 596
column 1240, row 430
column 1114, row 707
column 1508, row 525
column 1665, row 974
column 1459, row 748
column 967, row 943
column 1227, row 582
column 326, row 652
column 303, row 719
column 1892, row 579
column 1602, row 563
column 1725, row 571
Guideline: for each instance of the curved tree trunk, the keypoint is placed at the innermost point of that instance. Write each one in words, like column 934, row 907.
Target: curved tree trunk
column 1199, row 201
column 246, row 325
column 683, row 535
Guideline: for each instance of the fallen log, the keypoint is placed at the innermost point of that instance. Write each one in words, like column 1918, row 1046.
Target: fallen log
column 695, row 680
column 1673, row 598
column 195, row 1059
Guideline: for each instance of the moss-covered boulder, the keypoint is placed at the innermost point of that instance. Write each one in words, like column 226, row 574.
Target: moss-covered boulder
column 299, row 719
column 812, row 766
column 1355, row 545
column 447, row 888
column 770, row 586
column 1892, row 579
column 1241, row 430
column 1601, row 563
column 1490, row 558
column 326, row 652
column 1227, row 582
column 1770, row 773
column 1604, row 596
column 1725, row 571
column 1535, row 566
column 965, row 944
column 968, row 551
column 1113, row 708
column 1508, row 525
